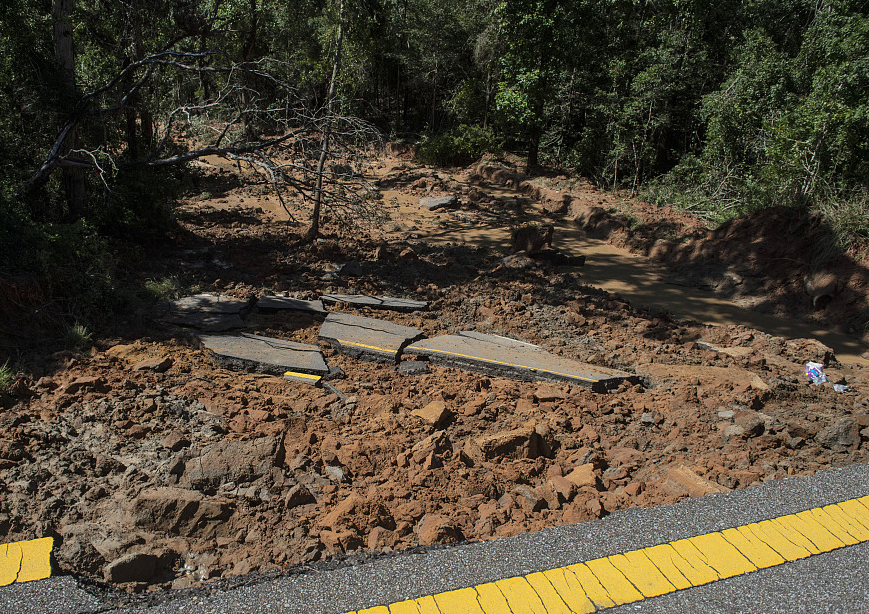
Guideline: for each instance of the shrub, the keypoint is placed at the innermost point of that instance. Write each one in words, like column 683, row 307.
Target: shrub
column 458, row 147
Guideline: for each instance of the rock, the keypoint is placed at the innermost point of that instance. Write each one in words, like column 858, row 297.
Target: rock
column 343, row 514
column 435, row 444
column 179, row 511
column 97, row 384
column 547, row 393
column 413, row 367
column 433, row 203
column 841, row 436
column 234, row 461
column 436, row 414
column 175, row 441
column 518, row 443
column 583, row 476
column 344, row 540
column 134, row 567
column 684, row 478
column 436, row 529
column 751, row 422
column 528, row 499
column 726, row 414
column 564, row 487
column 732, row 431
column 158, row 364
column 626, row 456
column 381, row 538
column 298, row 495
column 336, row 474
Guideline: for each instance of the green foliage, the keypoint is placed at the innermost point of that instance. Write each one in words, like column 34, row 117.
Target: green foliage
column 78, row 337
column 7, row 377
column 458, row 147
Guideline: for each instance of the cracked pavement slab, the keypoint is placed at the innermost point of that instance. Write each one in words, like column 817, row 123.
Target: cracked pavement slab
column 254, row 353
column 25, row 561
column 375, row 302
column 505, row 357
column 367, row 338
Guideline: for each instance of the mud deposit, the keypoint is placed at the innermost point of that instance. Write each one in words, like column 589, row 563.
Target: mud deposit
column 153, row 466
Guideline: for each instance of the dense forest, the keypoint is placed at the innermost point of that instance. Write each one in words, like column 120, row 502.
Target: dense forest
column 719, row 107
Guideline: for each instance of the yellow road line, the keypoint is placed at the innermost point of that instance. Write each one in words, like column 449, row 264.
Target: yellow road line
column 666, row 568
column 302, row 375
column 25, row 561
column 510, row 364
column 362, row 345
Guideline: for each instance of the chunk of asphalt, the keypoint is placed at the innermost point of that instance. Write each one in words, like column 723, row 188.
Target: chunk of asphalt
column 271, row 304
column 432, row 203
column 367, row 338
column 207, row 312
column 375, row 302
column 254, row 353
column 505, row 357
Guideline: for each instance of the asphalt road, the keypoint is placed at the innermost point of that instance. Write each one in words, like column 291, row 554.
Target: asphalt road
column 837, row 581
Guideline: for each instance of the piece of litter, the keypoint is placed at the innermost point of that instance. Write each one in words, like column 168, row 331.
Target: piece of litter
column 815, row 373
column 841, row 388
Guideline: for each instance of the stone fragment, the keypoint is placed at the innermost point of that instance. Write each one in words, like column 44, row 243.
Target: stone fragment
column 436, row 529
column 342, row 541
column 528, row 499
column 157, row 364
column 517, row 443
column 133, row 567
column 686, row 479
column 413, row 367
column 751, row 422
column 583, row 476
column 175, row 441
column 732, row 431
column 234, row 461
column 298, row 495
column 433, row 203
column 179, row 511
column 564, row 487
column 381, row 537
column 97, row 384
column 436, row 413
column 547, row 393
column 841, row 436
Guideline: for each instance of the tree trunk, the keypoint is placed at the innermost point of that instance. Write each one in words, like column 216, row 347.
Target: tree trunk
column 314, row 230
column 64, row 54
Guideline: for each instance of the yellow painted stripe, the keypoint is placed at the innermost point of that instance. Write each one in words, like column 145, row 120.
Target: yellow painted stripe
column 302, row 375
column 665, row 568
column 25, row 561
column 362, row 345
column 510, row 364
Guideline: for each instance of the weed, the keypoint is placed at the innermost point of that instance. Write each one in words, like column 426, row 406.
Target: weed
column 163, row 289
column 7, row 377
column 78, row 337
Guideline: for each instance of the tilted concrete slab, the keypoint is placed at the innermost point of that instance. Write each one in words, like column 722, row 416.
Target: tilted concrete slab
column 505, row 357
column 208, row 312
column 254, row 353
column 376, row 302
column 285, row 303
column 367, row 338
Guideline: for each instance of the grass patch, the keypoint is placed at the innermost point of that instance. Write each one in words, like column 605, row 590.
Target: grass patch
column 7, row 377
column 78, row 337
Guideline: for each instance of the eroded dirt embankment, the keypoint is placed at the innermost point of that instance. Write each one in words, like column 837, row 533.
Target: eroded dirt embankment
column 152, row 466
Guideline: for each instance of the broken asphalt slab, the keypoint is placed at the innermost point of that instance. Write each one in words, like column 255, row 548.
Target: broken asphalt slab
column 375, row 302
column 269, row 304
column 505, row 357
column 207, row 312
column 367, row 338
column 253, row 353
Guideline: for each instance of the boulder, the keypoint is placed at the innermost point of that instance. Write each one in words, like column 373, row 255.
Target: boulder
column 436, row 413
column 133, row 567
column 234, row 461
column 436, row 529
column 178, row 511
column 517, row 443
column 842, row 436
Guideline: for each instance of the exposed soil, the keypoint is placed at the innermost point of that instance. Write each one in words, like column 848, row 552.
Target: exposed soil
column 151, row 466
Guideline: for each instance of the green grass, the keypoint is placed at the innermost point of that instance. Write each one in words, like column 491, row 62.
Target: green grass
column 78, row 337
column 164, row 289
column 7, row 377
